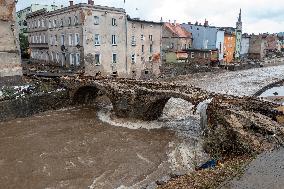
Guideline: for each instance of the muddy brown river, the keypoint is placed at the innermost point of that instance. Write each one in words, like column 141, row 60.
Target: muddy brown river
column 87, row 147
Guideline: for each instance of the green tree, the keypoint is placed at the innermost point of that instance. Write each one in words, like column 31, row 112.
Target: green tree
column 24, row 45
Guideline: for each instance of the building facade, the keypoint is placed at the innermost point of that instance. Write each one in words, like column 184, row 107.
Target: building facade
column 245, row 46
column 257, row 47
column 206, row 37
column 273, row 43
column 95, row 40
column 175, row 37
column 229, row 46
column 21, row 15
column 10, row 62
column 144, row 43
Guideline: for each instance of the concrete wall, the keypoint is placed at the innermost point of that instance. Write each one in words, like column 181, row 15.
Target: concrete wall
column 10, row 63
column 23, row 107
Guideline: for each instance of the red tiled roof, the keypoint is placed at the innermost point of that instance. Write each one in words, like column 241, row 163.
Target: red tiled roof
column 178, row 30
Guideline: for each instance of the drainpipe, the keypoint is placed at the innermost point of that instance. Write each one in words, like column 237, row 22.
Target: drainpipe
column 126, row 46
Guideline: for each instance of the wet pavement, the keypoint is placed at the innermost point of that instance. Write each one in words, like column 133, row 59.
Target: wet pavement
column 266, row 172
column 74, row 148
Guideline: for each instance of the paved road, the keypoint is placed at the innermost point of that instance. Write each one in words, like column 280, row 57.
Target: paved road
column 266, row 172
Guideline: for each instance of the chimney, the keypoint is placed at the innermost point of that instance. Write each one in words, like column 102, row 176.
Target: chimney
column 206, row 23
column 90, row 2
column 71, row 3
column 189, row 23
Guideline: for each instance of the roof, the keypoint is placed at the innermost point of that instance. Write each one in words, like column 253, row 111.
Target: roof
column 178, row 30
column 143, row 21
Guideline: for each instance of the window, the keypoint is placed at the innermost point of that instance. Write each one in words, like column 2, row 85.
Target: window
column 151, row 48
column 185, row 46
column 114, row 57
column 151, row 37
column 133, row 41
column 113, row 22
column 42, row 23
column 142, row 48
column 142, row 37
column 97, row 59
column 77, row 59
column 62, row 59
column 62, row 23
column 71, row 60
column 69, row 21
column 55, row 40
column 142, row 26
column 44, row 40
column 133, row 58
column 51, row 40
column 113, row 39
column 57, row 57
column 70, row 39
column 96, row 20
column 97, row 40
column 54, row 23
column 51, row 56
column 62, row 39
column 192, row 55
column 77, row 39
column 76, row 20
column 38, row 23
column 49, row 24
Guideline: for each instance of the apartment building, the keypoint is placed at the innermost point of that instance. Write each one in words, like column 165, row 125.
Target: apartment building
column 98, row 40
column 21, row 15
column 144, row 43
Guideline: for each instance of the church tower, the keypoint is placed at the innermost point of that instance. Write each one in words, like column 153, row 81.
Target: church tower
column 239, row 24
column 239, row 28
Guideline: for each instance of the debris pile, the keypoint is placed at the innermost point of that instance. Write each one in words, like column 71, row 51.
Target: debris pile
column 242, row 126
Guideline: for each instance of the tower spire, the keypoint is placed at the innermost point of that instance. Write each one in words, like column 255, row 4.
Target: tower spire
column 240, row 16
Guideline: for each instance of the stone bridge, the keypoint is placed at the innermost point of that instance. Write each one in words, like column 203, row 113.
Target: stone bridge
column 146, row 100
column 234, row 125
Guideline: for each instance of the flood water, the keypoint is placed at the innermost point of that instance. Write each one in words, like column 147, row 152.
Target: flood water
column 88, row 147
column 275, row 94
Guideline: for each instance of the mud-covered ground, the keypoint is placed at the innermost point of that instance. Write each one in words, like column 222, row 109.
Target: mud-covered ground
column 245, row 82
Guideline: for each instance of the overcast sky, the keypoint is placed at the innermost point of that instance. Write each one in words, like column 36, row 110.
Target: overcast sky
column 259, row 16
